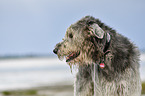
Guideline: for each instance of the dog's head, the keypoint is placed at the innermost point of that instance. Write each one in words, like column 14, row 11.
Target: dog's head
column 84, row 42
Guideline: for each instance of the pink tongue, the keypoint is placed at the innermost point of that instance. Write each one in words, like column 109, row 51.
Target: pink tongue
column 69, row 57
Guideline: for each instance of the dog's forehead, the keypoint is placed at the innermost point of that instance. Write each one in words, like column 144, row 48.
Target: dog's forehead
column 71, row 29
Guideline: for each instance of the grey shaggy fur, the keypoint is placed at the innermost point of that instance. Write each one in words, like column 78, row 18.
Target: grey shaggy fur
column 119, row 77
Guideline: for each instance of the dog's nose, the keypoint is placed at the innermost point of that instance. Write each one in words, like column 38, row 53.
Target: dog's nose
column 55, row 50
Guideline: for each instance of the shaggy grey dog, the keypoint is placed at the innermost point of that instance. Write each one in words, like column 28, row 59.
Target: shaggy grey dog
column 107, row 62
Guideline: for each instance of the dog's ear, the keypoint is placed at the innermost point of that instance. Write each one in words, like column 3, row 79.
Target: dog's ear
column 108, row 37
column 96, row 30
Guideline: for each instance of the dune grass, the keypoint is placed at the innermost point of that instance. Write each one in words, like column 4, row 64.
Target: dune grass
column 143, row 88
column 20, row 93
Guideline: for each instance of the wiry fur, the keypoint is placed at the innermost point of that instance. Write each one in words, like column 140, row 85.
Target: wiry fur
column 120, row 77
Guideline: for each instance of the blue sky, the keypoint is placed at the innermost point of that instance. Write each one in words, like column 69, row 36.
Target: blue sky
column 35, row 26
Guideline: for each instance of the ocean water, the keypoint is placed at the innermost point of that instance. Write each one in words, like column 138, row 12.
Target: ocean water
column 35, row 72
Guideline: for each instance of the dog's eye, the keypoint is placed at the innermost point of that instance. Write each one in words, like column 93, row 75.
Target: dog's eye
column 70, row 35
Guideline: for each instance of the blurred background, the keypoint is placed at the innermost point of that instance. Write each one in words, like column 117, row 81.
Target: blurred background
column 29, row 30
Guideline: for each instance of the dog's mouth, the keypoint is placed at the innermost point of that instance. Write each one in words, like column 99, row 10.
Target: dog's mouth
column 72, row 56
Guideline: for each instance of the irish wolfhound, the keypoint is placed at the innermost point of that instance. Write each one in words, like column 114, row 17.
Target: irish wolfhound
column 107, row 62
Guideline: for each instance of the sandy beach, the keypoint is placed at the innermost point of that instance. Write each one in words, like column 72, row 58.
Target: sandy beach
column 59, row 90
column 63, row 90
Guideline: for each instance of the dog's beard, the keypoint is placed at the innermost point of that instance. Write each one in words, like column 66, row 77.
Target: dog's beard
column 61, row 57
